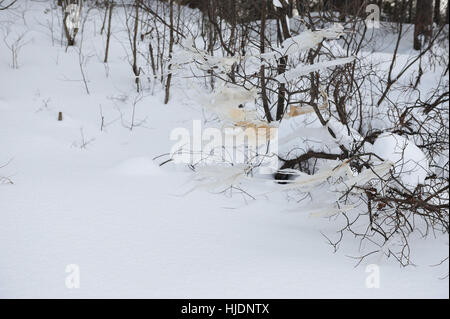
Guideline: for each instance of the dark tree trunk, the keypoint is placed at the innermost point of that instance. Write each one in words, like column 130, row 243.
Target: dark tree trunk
column 108, row 35
column 283, row 34
column 262, row 71
column 423, row 25
column 410, row 11
column 446, row 14
column 395, row 16
column 171, row 43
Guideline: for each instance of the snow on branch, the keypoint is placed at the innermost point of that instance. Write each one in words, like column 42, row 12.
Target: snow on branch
column 306, row 69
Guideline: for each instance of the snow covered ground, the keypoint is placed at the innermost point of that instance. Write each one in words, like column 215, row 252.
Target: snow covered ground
column 95, row 198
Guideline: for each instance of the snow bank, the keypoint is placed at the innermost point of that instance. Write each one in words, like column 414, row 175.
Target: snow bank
column 410, row 162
